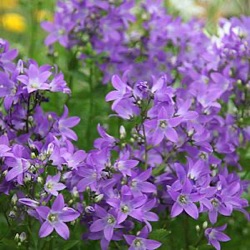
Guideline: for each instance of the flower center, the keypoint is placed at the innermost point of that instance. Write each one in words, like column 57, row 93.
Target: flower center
column 53, row 217
column 183, row 199
column 125, row 209
column 134, row 184
column 111, row 220
column 34, row 85
column 215, row 203
column 137, row 243
column 49, row 186
column 163, row 124
column 203, row 156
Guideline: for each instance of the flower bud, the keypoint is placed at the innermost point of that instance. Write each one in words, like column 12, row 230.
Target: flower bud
column 205, row 224
column 75, row 193
column 89, row 209
column 12, row 214
column 16, row 238
column 98, row 198
column 33, row 155
column 197, row 228
column 23, row 237
column 122, row 132
column 40, row 179
column 50, row 118
column 14, row 199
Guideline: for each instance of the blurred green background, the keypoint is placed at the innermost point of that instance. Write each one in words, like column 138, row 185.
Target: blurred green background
column 20, row 24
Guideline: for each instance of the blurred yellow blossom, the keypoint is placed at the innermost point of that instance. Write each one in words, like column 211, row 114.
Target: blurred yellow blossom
column 43, row 15
column 8, row 4
column 13, row 22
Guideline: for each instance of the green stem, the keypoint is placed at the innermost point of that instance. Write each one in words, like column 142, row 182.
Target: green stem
column 186, row 229
column 91, row 104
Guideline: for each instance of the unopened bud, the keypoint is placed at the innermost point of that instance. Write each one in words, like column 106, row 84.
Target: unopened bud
column 239, row 82
column 75, row 193
column 50, row 149
column 30, row 119
column 50, row 117
column 23, row 237
column 33, row 155
column 16, row 238
column 204, row 225
column 73, row 222
column 122, row 132
column 5, row 173
column 98, row 198
column 191, row 132
column 197, row 228
column 12, row 214
column 89, row 209
column 70, row 201
column 14, row 199
column 40, row 179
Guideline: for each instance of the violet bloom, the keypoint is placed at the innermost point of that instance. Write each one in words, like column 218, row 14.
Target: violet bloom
column 55, row 218
column 140, row 242
column 19, row 165
column 215, row 235
column 124, row 164
column 52, row 185
column 6, row 86
column 107, row 222
column 64, row 125
column 122, row 91
column 36, row 78
column 163, row 126
column 184, row 201
column 139, row 185
column 128, row 206
column 59, row 30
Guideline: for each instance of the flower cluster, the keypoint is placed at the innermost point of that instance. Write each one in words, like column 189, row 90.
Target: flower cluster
column 30, row 140
column 140, row 38
column 183, row 101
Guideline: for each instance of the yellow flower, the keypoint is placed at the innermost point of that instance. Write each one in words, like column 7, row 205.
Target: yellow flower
column 42, row 15
column 8, row 4
column 13, row 22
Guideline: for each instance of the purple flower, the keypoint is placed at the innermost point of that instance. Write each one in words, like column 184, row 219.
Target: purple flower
column 36, row 78
column 122, row 91
column 52, row 185
column 215, row 235
column 6, row 86
column 55, row 218
column 163, row 126
column 59, row 31
column 107, row 222
column 64, row 125
column 140, row 243
column 184, row 201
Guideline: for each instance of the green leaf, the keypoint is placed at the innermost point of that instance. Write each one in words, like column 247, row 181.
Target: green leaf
column 161, row 235
column 70, row 244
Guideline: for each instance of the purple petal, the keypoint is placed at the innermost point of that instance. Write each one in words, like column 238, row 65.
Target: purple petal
column 97, row 225
column 108, row 232
column 62, row 229
column 68, row 214
column 151, row 244
column 176, row 210
column 58, row 204
column 171, row 134
column 192, row 210
column 45, row 229
column 43, row 211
